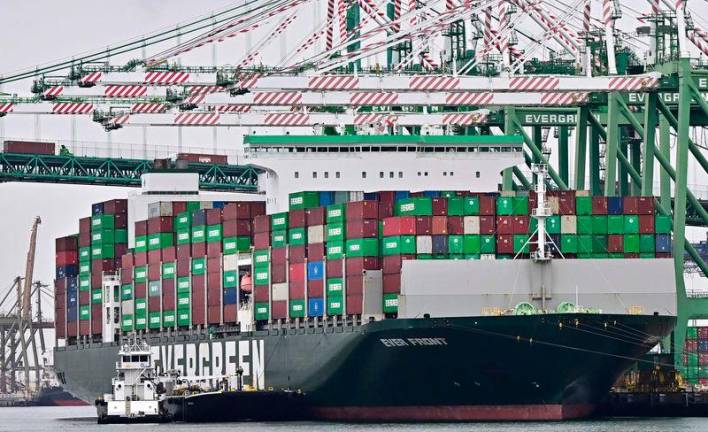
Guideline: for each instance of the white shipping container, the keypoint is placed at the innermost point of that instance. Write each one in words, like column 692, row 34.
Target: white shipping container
column 373, row 293
column 315, row 234
column 569, row 224
column 153, row 210
column 488, row 257
column 554, row 204
column 471, row 224
column 230, row 262
column 127, row 307
column 424, row 244
column 280, row 291
column 356, row 196
column 341, row 197
column 206, row 205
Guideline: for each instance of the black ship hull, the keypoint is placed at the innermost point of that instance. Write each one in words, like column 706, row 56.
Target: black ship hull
column 537, row 367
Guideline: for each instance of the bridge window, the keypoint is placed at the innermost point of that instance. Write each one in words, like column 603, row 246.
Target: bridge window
column 426, row 174
column 444, row 173
column 363, row 174
column 390, row 174
column 477, row 174
column 381, row 174
column 314, row 174
column 452, row 173
column 326, row 174
column 336, row 174
column 297, row 174
column 400, row 174
column 418, row 173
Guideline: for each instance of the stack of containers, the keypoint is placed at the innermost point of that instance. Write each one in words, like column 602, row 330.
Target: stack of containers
column 66, row 285
column 361, row 250
column 695, row 356
column 237, row 235
column 262, row 235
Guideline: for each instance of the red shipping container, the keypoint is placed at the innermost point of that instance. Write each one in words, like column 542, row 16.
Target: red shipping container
column 120, row 249
column 108, row 264
column 385, row 209
column 214, row 314
column 691, row 346
column 356, row 265
column 214, row 281
column 315, row 251
column 71, row 329
column 296, row 271
column 115, row 206
column 213, row 249
column 354, row 285
column 416, row 194
column 234, row 228
column 627, row 255
column 154, row 272
column 439, row 225
column 169, row 254
column 96, row 279
column 599, row 205
column 646, row 205
column 566, row 202
column 355, row 304
column 120, row 221
column 646, row 224
column 387, row 196
column 260, row 293
column 392, row 283
column 505, row 224
column 258, row 208
column 703, row 332
column 85, row 225
column 315, row 216
column 615, row 243
column 140, row 289
column 28, row 147
column 154, row 256
column 214, row 297
column 84, row 297
column 487, row 225
column 69, row 243
column 359, row 210
column 393, row 263
column 424, row 225
column 261, row 240
column 154, row 303
column 66, row 258
column 213, row 264
column 183, row 268
column 60, row 323
column 296, row 290
column 439, row 206
column 141, row 258
column 315, row 288
column 159, row 224
column 178, row 207
column 140, row 228
column 279, row 309
column 487, row 205
column 630, row 205
column 455, row 225
column 184, row 251
column 362, row 228
column 278, row 273
column 198, row 286
column 399, row 225
column 230, row 313
column 168, row 296
column 84, row 327
column 261, row 224
column 296, row 254
column 85, row 239
column 198, row 249
column 278, row 255
column 126, row 276
column 296, row 218
column 505, row 244
column 703, row 359
column 521, row 224
column 213, row 216
column 335, row 268
column 60, row 286
column 198, row 317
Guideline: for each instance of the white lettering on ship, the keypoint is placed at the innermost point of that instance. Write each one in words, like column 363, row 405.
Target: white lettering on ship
column 214, row 358
column 397, row 342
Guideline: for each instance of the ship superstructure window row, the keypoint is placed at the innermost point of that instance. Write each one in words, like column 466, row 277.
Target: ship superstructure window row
column 396, row 149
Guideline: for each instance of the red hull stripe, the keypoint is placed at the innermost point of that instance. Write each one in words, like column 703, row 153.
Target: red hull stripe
column 69, row 402
column 454, row 412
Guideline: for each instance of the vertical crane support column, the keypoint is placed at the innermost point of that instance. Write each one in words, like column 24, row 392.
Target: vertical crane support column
column 537, row 136
column 595, row 184
column 509, row 129
column 650, row 123
column 563, row 153
column 608, row 19
column 612, row 143
column 665, row 151
column 581, row 144
column 353, row 18
column 623, row 149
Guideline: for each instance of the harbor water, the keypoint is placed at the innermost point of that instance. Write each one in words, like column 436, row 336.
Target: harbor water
column 59, row 419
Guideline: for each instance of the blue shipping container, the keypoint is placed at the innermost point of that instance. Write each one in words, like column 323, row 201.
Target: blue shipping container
column 218, row 204
column 71, row 299
column 326, row 198
column 553, row 247
column 400, row 195
column 230, row 296
column 432, row 194
column 199, row 217
column 315, row 270
column 439, row 244
column 67, row 271
column 615, row 205
column 663, row 243
column 371, row 196
column 315, row 307
column 97, row 209
column 72, row 284
column 72, row 313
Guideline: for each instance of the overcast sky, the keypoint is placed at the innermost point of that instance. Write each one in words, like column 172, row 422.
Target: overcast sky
column 38, row 31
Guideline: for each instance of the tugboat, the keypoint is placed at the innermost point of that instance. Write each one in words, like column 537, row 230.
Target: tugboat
column 135, row 397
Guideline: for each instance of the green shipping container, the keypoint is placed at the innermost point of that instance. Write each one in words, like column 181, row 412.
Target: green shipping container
column 102, row 251
column 296, row 309
column 183, row 221
column 585, row 244
column 213, row 233
column 455, row 206
column 126, row 292
column 183, row 236
column 140, row 322
column 584, row 224
column 304, row 200
column 262, row 311
column 365, row 247
column 141, row 243
column 184, row 285
column 85, row 254
column 121, row 236
column 336, row 213
column 520, row 243
column 85, row 268
column 456, row 244
column 662, row 224
column 184, row 318
column 169, row 318
column 261, row 276
column 168, row 270
column 102, row 222
column 198, row 266
column 140, row 307
column 96, row 296
column 335, row 305
column 691, row 332
column 279, row 238
column 154, row 320
column 472, row 256
column 279, row 221
column 193, row 205
column 631, row 224
column 583, row 205
column 160, row 240
column 398, row 245
column 631, row 243
column 85, row 283
column 647, row 243
column 335, row 250
column 470, row 206
column 199, row 234
column 521, row 205
column 615, row 224
column 599, row 244
column 616, row 255
column 127, row 323
column 599, row 224
column 488, row 244
column 390, row 303
column 471, row 244
column 85, row 312
column 231, row 279
column 553, row 225
column 261, row 258
column 139, row 274
column 422, row 206
column 183, row 301
column 234, row 245
column 505, row 205
column 104, row 236
column 335, row 232
column 335, row 287
column 569, row 243
column 297, row 236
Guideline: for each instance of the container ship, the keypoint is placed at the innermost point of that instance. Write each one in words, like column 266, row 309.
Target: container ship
column 385, row 278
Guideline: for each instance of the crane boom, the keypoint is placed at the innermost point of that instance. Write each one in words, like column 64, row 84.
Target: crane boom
column 26, row 313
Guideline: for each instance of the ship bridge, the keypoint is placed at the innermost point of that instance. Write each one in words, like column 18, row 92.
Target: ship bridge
column 369, row 163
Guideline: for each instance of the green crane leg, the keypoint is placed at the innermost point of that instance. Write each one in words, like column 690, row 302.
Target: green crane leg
column 650, row 120
column 538, row 140
column 623, row 149
column 665, row 153
column 536, row 152
column 595, row 185
column 635, row 153
column 509, row 129
column 563, row 153
column 612, row 141
column 581, row 143
column 666, row 112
